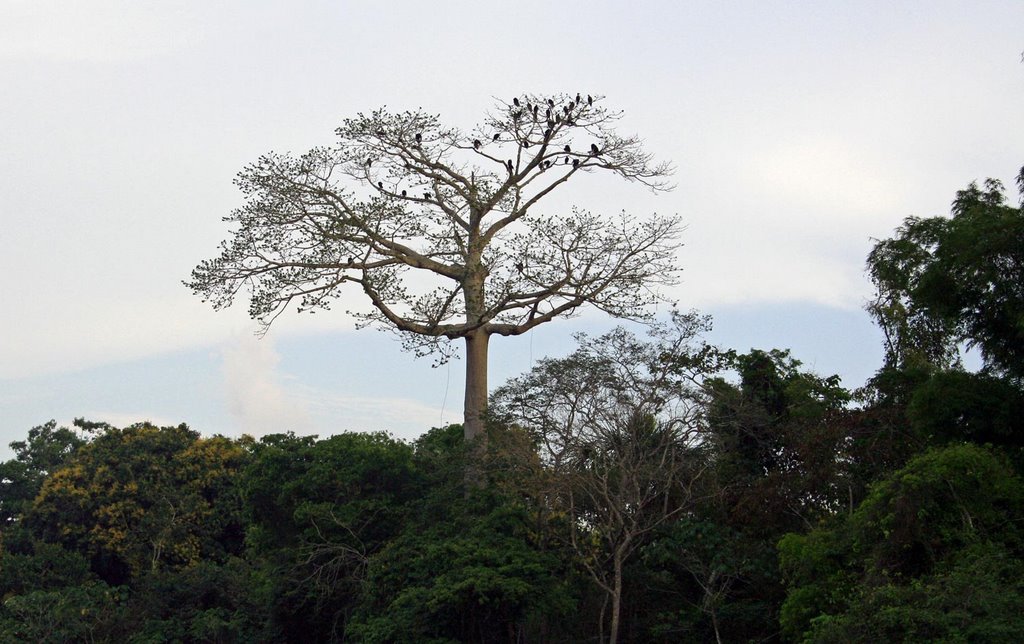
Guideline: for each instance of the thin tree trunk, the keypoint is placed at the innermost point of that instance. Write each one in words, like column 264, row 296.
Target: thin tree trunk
column 613, row 635
column 714, row 623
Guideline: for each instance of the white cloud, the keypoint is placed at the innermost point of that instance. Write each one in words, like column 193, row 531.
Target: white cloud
column 256, row 397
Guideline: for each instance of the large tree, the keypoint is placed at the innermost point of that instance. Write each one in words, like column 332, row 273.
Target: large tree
column 944, row 281
column 442, row 231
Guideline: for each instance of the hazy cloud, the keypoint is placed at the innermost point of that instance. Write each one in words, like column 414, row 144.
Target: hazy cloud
column 257, row 399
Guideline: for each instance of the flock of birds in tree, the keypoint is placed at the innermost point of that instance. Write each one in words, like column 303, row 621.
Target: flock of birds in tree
column 553, row 117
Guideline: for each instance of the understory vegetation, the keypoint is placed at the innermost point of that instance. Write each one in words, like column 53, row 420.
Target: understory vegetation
column 641, row 489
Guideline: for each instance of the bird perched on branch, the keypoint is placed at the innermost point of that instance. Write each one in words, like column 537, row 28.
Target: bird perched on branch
column 476, row 144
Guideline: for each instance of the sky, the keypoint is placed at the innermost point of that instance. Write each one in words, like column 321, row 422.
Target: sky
column 799, row 133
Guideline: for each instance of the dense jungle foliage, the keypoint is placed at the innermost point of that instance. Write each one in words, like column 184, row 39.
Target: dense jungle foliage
column 641, row 489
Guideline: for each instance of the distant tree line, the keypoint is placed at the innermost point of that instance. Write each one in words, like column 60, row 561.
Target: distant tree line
column 639, row 489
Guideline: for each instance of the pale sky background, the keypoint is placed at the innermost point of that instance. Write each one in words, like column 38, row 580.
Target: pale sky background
column 799, row 131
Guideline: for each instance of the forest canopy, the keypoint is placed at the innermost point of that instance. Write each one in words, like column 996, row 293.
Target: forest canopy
column 647, row 488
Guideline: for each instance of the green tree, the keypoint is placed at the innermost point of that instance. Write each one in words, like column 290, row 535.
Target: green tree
column 777, row 462
column 90, row 612
column 932, row 554
column 776, row 447
column 477, row 567
column 143, row 498
column 442, row 230
column 945, row 281
column 318, row 511
column 46, row 449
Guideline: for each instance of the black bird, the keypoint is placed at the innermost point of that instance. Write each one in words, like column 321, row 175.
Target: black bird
column 510, row 167
column 515, row 101
column 518, row 114
column 570, row 122
column 577, row 97
column 558, row 118
column 567, row 149
column 351, row 260
column 549, row 113
column 566, row 109
column 497, row 136
column 551, row 123
column 575, row 163
column 419, row 138
column 476, row 144
column 380, row 132
column 380, row 184
column 571, row 105
column 590, row 100
column 566, row 160
column 594, row 150
column 426, row 195
column 526, row 144
column 403, row 193
column 520, row 267
column 369, row 162
column 535, row 109
column 551, row 103
column 547, row 134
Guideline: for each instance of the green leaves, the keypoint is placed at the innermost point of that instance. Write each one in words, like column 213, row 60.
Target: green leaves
column 883, row 572
column 945, row 281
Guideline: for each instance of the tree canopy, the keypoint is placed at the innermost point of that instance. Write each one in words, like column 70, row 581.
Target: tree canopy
column 443, row 230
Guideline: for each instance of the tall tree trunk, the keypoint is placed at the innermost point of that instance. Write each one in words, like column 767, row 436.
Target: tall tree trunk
column 613, row 635
column 476, row 384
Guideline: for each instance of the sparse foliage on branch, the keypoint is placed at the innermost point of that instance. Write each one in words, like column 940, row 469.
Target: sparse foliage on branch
column 442, row 230
column 618, row 423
